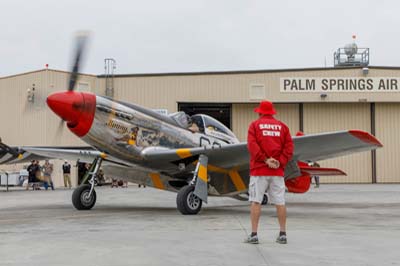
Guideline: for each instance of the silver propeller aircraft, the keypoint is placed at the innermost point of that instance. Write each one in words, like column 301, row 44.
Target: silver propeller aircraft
column 194, row 156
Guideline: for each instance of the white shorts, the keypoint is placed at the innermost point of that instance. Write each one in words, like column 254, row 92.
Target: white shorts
column 273, row 185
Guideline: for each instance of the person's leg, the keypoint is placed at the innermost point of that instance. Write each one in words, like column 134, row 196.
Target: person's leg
column 257, row 187
column 277, row 195
column 255, row 212
column 51, row 183
column 281, row 212
column 317, row 181
column 69, row 181
column 65, row 180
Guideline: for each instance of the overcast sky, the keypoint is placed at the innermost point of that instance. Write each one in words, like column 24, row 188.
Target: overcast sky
column 195, row 35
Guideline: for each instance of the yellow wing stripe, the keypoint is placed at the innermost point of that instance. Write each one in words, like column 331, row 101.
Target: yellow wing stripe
column 214, row 168
column 202, row 174
column 157, row 181
column 183, row 153
column 237, row 180
column 217, row 169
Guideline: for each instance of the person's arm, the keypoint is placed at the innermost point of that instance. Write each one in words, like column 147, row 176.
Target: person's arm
column 254, row 148
column 287, row 151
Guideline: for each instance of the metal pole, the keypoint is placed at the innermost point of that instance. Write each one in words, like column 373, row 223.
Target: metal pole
column 373, row 152
column 7, row 181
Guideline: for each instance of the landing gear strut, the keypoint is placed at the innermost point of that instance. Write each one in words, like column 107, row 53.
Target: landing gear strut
column 191, row 196
column 84, row 197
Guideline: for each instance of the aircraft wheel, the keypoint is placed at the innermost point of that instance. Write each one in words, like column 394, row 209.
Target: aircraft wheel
column 265, row 200
column 81, row 199
column 187, row 202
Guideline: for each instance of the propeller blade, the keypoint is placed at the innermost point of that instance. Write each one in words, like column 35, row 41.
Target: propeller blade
column 60, row 128
column 81, row 40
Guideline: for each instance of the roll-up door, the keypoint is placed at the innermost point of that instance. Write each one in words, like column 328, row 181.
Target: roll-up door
column 387, row 121
column 325, row 117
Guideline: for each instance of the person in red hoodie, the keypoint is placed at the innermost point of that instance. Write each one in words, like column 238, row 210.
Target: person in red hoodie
column 271, row 147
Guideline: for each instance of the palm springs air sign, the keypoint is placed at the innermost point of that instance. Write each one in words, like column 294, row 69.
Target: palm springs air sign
column 346, row 84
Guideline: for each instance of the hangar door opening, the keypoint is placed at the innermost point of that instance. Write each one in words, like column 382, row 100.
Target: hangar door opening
column 220, row 111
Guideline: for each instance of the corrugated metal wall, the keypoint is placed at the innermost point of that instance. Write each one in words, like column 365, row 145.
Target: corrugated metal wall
column 33, row 123
column 325, row 117
column 243, row 115
column 163, row 91
column 387, row 117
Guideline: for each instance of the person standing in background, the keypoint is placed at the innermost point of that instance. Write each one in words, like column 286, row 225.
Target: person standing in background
column 316, row 177
column 47, row 172
column 32, row 174
column 67, row 174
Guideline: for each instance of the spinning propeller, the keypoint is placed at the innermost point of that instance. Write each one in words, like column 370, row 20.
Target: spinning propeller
column 81, row 40
column 75, row 108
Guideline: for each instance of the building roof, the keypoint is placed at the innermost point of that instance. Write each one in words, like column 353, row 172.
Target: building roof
column 223, row 72
column 232, row 72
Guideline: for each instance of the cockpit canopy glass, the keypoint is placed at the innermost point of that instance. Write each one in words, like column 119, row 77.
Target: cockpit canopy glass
column 209, row 123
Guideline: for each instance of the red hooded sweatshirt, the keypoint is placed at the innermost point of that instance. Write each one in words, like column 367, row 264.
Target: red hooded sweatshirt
column 268, row 137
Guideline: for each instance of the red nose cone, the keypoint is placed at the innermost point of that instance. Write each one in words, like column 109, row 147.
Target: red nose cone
column 76, row 108
column 67, row 105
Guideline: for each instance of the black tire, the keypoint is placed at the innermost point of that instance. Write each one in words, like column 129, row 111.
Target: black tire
column 186, row 202
column 265, row 200
column 80, row 199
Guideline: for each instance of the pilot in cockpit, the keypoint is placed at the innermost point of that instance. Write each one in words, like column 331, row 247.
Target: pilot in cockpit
column 192, row 126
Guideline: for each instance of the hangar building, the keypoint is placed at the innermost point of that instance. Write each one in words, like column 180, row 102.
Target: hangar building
column 309, row 100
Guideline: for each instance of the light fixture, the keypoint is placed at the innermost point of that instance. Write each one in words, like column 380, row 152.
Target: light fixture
column 323, row 95
column 31, row 93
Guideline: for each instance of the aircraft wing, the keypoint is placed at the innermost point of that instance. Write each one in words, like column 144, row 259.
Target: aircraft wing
column 13, row 155
column 315, row 147
column 229, row 156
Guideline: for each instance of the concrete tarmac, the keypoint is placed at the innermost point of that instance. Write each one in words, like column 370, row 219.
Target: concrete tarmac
column 332, row 225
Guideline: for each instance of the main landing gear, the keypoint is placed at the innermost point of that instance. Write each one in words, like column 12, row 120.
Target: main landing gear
column 191, row 197
column 84, row 196
column 187, row 202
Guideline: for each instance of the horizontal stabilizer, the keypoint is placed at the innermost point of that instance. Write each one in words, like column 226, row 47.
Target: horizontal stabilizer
column 321, row 171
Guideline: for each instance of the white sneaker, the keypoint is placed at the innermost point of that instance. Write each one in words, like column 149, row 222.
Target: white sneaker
column 251, row 239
